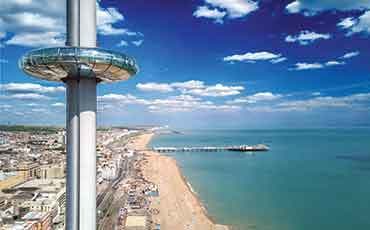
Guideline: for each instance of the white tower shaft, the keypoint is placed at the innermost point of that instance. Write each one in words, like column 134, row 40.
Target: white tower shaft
column 87, row 88
column 81, row 123
column 73, row 156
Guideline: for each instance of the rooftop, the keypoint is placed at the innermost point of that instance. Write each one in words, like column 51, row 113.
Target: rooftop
column 136, row 221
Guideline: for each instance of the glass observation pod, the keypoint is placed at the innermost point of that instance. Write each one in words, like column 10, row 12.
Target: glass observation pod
column 57, row 64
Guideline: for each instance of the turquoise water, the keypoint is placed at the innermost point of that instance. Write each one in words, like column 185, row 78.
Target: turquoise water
column 310, row 179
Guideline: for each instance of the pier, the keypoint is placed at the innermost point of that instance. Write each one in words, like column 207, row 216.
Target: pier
column 239, row 148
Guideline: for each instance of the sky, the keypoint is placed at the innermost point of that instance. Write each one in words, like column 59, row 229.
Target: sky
column 203, row 63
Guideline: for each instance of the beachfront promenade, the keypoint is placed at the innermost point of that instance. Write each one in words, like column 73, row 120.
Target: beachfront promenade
column 240, row 148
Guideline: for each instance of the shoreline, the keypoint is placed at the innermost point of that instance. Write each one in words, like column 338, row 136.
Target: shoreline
column 179, row 205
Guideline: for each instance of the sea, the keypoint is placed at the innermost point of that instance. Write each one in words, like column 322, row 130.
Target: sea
column 310, row 178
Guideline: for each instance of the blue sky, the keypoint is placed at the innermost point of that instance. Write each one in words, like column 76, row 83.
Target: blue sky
column 206, row 63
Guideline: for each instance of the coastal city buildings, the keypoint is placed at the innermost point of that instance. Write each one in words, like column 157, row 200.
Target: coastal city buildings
column 33, row 180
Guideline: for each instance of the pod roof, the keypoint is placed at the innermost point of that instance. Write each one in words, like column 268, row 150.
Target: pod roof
column 61, row 63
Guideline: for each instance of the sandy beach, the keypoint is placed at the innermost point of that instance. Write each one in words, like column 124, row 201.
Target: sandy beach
column 179, row 208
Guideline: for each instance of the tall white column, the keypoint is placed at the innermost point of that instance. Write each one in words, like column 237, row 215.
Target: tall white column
column 87, row 102
column 81, row 122
column 88, row 23
column 73, row 123
column 73, row 152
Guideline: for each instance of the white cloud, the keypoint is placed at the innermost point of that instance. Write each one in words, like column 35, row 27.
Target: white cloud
column 20, row 114
column 306, row 37
column 360, row 24
column 39, row 110
column 37, row 39
column 206, row 12
column 330, row 63
column 107, row 18
column 257, row 97
column 353, row 101
column 114, row 97
column 219, row 9
column 224, row 108
column 33, row 104
column 346, row 23
column 31, row 87
column 152, row 86
column 253, row 57
column 363, row 24
column 192, row 84
column 180, row 103
column 217, row 90
column 306, row 66
column 350, row 55
column 258, row 102
column 58, row 104
column 41, row 23
column 334, row 63
column 293, row 7
column 185, row 97
column 235, row 8
column 42, row 6
column 5, row 106
column 33, row 16
column 108, row 29
column 310, row 7
column 263, row 96
column 278, row 60
column 327, row 102
column 33, row 23
column 25, row 96
column 36, row 21
column 121, row 99
column 122, row 43
column 138, row 42
column 192, row 87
